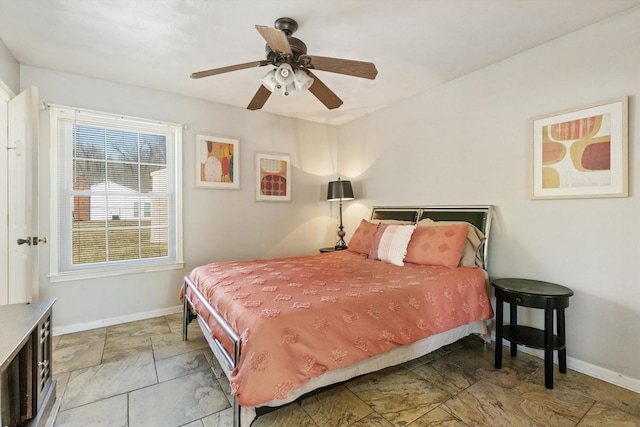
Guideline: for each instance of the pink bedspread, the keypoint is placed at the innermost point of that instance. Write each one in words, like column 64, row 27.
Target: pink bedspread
column 299, row 317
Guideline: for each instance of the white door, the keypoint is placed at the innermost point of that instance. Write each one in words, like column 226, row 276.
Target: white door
column 22, row 197
column 5, row 96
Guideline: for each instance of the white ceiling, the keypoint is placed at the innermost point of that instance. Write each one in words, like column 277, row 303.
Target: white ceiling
column 415, row 44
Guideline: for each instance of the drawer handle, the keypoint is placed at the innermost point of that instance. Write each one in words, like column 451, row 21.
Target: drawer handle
column 518, row 299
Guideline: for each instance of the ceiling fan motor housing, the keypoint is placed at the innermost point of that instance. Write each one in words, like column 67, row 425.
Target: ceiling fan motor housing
column 286, row 25
column 297, row 47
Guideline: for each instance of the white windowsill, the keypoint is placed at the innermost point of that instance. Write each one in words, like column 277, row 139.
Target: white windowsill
column 109, row 272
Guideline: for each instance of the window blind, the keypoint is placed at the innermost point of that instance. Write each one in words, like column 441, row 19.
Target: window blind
column 116, row 192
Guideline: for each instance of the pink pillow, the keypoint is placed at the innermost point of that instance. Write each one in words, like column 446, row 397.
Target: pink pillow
column 363, row 237
column 441, row 245
column 390, row 243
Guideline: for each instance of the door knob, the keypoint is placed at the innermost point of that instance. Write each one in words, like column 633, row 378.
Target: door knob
column 23, row 241
column 35, row 240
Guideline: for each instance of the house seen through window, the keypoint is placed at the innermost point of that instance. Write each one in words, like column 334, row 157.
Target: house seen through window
column 116, row 191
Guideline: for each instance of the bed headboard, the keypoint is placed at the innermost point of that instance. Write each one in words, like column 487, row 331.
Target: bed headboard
column 480, row 216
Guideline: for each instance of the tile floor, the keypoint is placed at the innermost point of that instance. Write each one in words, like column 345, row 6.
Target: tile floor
column 142, row 374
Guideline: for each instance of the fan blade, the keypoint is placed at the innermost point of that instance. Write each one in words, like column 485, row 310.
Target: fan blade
column 215, row 71
column 276, row 39
column 323, row 93
column 259, row 98
column 348, row 67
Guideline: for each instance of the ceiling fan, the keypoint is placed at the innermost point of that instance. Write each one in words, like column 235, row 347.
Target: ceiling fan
column 293, row 67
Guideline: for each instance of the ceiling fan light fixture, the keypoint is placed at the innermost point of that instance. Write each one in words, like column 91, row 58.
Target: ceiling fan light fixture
column 302, row 80
column 284, row 74
column 289, row 90
column 269, row 81
column 292, row 67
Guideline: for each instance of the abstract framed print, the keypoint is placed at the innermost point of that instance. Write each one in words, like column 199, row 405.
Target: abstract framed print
column 273, row 177
column 581, row 153
column 217, row 162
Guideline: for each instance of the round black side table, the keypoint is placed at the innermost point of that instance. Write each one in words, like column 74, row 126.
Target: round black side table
column 534, row 294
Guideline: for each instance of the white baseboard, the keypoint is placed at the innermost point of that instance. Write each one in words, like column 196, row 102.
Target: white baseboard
column 612, row 377
column 586, row 368
column 79, row 327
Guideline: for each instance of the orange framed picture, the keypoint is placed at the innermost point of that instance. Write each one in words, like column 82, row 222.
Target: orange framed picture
column 581, row 153
column 273, row 177
column 217, row 162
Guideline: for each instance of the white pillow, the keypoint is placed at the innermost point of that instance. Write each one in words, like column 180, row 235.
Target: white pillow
column 390, row 243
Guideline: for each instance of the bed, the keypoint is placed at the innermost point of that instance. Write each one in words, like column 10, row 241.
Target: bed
column 413, row 280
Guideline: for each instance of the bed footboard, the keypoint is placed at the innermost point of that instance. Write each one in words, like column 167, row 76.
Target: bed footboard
column 189, row 314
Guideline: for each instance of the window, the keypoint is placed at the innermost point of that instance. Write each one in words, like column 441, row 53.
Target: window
column 147, row 209
column 116, row 196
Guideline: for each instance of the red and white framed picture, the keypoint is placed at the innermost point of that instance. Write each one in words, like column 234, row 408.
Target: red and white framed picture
column 273, row 177
column 217, row 162
column 581, row 153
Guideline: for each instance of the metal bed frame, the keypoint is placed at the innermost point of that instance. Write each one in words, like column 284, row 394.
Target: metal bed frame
column 479, row 216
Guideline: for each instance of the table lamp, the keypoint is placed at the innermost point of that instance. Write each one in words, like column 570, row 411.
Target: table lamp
column 338, row 191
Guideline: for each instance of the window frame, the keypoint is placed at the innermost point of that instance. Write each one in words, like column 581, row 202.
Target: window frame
column 61, row 267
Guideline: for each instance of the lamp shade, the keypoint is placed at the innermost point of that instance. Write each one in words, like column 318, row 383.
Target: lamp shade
column 289, row 89
column 339, row 190
column 269, row 80
column 302, row 80
column 284, row 74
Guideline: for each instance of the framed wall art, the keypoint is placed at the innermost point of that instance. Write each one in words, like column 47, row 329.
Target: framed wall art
column 273, row 177
column 217, row 162
column 581, row 153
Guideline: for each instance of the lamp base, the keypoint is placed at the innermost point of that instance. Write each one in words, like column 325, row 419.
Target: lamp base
column 341, row 245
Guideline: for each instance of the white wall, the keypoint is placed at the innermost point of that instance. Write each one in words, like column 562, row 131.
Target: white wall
column 9, row 69
column 219, row 225
column 467, row 142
